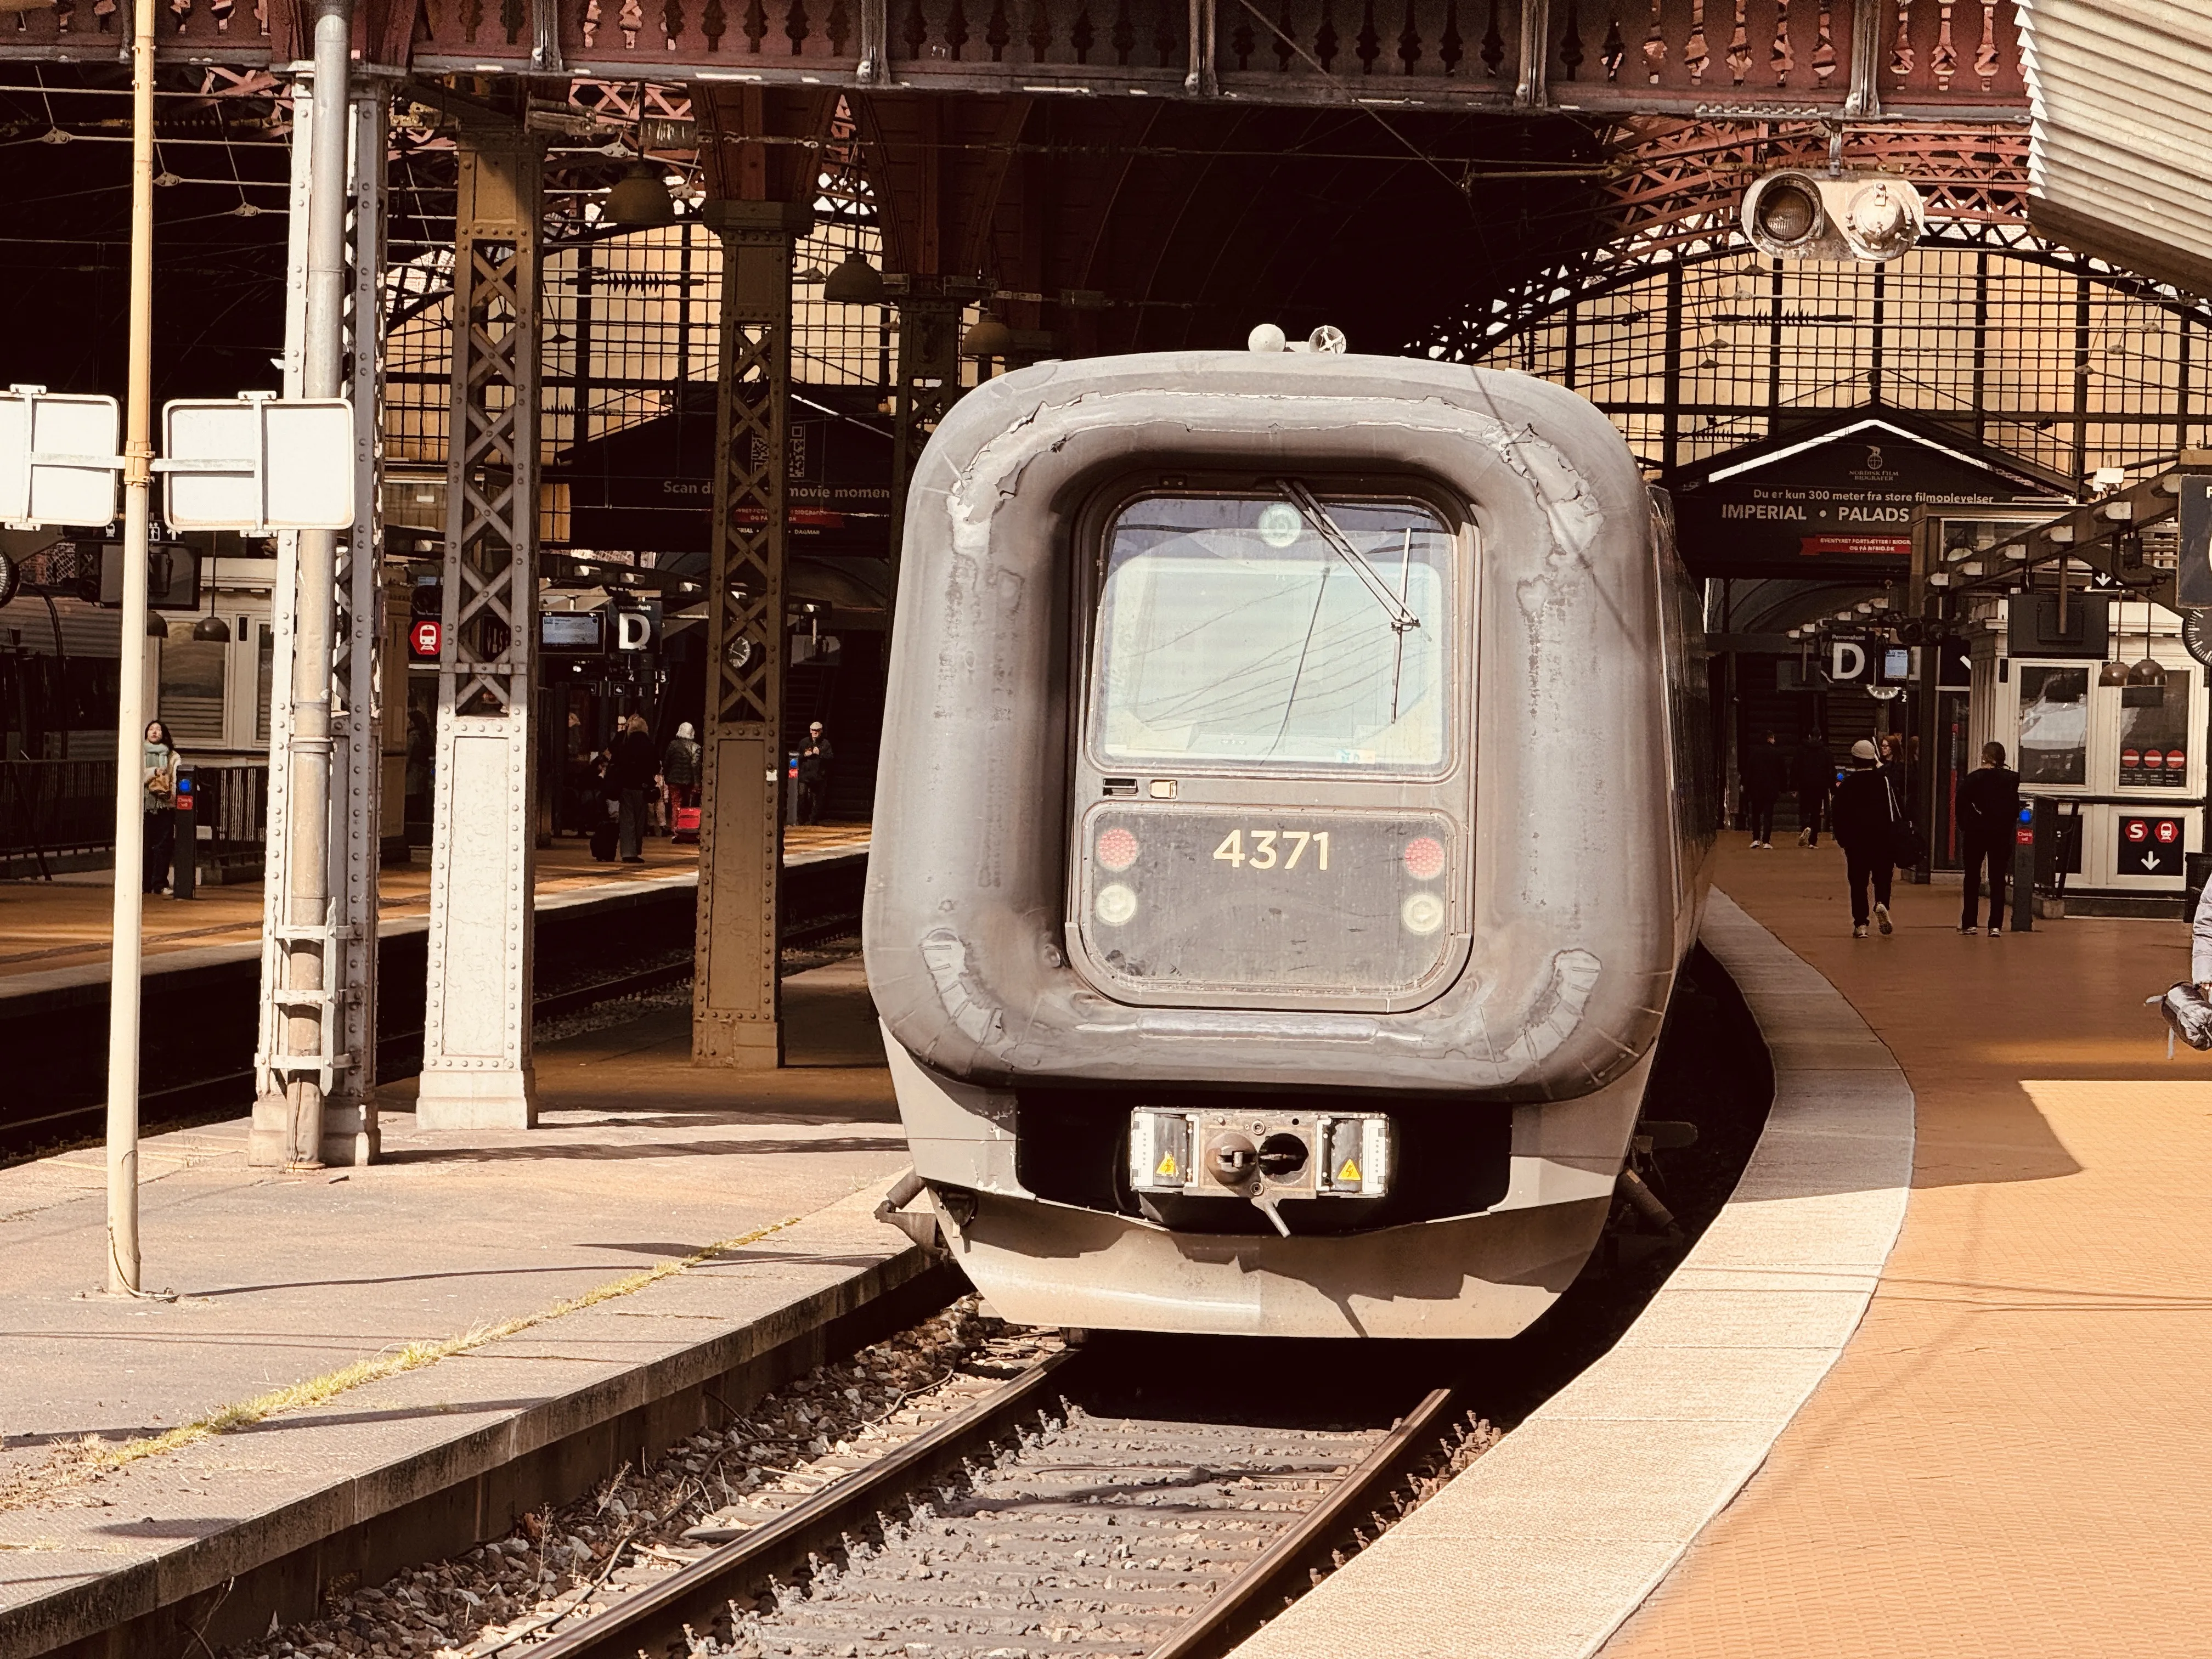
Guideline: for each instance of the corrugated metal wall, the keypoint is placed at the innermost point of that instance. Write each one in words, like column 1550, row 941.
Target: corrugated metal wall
column 2122, row 95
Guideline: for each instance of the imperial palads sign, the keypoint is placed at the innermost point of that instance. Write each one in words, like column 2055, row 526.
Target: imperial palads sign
column 1839, row 499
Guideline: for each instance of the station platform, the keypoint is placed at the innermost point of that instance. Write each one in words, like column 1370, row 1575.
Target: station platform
column 64, row 922
column 2009, row 1457
column 1930, row 1385
column 750, row 1195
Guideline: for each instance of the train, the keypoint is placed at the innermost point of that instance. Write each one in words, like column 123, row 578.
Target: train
column 1294, row 809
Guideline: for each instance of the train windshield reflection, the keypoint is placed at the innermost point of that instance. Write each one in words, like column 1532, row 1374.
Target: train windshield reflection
column 1231, row 632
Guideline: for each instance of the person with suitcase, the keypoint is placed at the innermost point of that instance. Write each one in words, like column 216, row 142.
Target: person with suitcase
column 679, row 776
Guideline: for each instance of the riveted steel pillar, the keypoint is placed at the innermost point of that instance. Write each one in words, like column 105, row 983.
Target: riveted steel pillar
column 736, row 1011
column 476, row 1036
column 342, row 1059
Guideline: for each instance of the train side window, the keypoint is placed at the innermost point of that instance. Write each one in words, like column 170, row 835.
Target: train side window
column 1257, row 631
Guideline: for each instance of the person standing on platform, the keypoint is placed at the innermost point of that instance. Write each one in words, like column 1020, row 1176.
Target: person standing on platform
column 634, row 771
column 816, row 759
column 158, row 767
column 1865, row 822
column 1762, row 784
column 1816, row 776
column 1988, row 810
column 679, row 769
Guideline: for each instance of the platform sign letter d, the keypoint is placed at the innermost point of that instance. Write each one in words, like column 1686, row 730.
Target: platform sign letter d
column 1847, row 661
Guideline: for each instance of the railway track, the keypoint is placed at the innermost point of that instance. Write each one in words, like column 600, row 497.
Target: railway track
column 1048, row 1513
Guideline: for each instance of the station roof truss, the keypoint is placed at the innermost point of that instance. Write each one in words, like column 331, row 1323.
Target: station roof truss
column 1697, row 344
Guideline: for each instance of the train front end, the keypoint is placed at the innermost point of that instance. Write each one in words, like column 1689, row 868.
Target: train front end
column 1281, row 863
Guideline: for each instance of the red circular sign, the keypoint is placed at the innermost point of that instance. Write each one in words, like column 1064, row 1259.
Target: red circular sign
column 2136, row 829
column 2131, row 757
column 2153, row 758
column 2169, row 829
column 426, row 636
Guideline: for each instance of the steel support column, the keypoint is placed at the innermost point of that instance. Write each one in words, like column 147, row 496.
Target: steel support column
column 929, row 313
column 736, row 1007
column 346, row 1065
column 476, row 1067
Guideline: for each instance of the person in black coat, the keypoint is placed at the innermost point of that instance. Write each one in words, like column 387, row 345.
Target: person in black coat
column 1816, row 776
column 1989, row 808
column 1763, row 778
column 636, row 767
column 1863, row 824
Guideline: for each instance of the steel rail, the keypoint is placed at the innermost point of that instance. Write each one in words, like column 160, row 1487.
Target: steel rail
column 1316, row 1530
column 696, row 1595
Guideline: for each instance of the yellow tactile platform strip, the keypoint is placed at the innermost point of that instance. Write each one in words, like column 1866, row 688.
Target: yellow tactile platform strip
column 1541, row 1548
column 2014, row 1457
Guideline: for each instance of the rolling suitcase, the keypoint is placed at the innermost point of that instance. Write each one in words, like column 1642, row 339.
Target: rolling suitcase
column 686, row 831
column 603, row 841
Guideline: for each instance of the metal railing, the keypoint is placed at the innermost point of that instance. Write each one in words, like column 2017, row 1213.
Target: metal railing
column 59, row 811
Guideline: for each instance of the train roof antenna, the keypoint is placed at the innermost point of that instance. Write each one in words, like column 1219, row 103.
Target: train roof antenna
column 1402, row 619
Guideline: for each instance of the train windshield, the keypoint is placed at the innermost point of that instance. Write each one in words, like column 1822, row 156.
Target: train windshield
column 1275, row 631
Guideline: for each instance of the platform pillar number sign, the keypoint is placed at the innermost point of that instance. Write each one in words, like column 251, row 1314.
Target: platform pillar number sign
column 476, row 1065
column 2151, row 846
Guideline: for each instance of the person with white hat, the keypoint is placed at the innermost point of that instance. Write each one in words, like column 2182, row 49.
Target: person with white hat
column 1863, row 817
column 679, row 770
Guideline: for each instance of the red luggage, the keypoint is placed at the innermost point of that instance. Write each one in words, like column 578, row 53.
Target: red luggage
column 686, row 832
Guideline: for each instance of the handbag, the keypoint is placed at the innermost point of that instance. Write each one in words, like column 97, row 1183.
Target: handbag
column 1908, row 848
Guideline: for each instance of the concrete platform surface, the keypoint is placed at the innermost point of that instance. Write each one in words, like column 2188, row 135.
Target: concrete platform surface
column 2010, row 1459
column 1548, row 1541
column 65, row 923
column 643, row 1160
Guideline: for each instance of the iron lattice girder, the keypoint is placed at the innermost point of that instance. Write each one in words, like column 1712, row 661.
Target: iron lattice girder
column 475, row 1051
column 736, row 999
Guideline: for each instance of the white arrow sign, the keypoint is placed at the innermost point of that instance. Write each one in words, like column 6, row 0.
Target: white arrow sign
column 2150, row 861
column 257, row 464
column 59, row 460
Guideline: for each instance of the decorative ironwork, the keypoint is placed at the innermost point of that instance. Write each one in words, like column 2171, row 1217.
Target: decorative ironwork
column 1682, row 55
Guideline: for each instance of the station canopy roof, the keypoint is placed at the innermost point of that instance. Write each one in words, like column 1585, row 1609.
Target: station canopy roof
column 2121, row 92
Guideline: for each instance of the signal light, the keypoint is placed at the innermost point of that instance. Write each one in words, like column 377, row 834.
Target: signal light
column 1794, row 215
column 1424, row 858
column 1117, row 849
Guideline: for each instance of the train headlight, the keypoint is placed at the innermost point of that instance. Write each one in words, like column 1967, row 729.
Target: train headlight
column 1115, row 904
column 1357, row 1161
column 1422, row 913
column 1159, row 1151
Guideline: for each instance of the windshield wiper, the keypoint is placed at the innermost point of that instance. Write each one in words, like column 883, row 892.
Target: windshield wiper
column 1402, row 619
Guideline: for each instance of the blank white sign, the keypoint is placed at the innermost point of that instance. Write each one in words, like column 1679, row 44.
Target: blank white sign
column 55, row 429
column 258, row 465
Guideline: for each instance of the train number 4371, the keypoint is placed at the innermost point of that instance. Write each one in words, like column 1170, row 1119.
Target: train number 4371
column 1268, row 849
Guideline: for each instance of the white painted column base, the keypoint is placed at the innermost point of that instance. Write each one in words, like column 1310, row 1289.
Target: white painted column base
column 501, row 1098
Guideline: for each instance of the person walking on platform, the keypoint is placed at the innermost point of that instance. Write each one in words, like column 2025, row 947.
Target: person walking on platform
column 634, row 770
column 815, row 758
column 1815, row 776
column 1762, row 784
column 1989, row 808
column 159, row 768
column 1864, row 821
